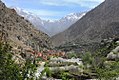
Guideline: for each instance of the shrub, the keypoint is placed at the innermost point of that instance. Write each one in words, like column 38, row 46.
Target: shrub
column 8, row 69
column 97, row 65
column 11, row 71
column 48, row 72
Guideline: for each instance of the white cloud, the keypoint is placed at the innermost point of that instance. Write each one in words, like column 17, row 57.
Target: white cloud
column 47, row 14
column 70, row 2
column 90, row 3
column 42, row 12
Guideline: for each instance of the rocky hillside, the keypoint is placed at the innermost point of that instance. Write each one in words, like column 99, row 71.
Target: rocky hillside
column 20, row 32
column 99, row 23
column 33, row 18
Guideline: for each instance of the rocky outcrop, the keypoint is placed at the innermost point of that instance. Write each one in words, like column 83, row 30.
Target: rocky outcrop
column 114, row 54
column 21, row 33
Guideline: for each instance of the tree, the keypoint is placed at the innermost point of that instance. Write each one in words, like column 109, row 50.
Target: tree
column 48, row 72
column 8, row 69
column 11, row 71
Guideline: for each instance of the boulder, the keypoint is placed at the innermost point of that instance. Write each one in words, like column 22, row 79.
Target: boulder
column 116, row 50
column 114, row 54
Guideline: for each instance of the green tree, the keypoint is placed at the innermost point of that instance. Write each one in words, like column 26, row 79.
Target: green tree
column 8, row 70
column 11, row 71
column 48, row 72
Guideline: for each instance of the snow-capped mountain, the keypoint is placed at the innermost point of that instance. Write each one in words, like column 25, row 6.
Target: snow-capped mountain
column 34, row 19
column 64, row 23
column 50, row 27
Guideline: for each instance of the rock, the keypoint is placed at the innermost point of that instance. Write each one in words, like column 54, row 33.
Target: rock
column 117, row 78
column 114, row 54
column 18, row 59
column 117, row 42
column 116, row 50
column 111, row 56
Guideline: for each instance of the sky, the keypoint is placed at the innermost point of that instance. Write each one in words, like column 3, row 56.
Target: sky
column 53, row 9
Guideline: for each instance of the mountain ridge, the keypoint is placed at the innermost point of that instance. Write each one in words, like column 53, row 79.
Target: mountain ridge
column 20, row 32
column 99, row 23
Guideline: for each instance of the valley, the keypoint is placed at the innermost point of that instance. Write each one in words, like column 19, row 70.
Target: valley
column 79, row 46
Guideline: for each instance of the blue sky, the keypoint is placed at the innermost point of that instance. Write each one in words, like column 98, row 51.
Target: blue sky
column 53, row 9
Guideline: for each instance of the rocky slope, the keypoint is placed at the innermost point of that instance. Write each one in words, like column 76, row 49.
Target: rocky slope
column 47, row 26
column 34, row 19
column 20, row 32
column 100, row 23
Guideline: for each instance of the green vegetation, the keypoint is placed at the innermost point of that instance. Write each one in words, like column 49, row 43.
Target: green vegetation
column 98, row 64
column 9, row 70
column 65, row 75
column 62, row 74
column 95, row 66
column 48, row 72
column 61, row 64
column 71, row 55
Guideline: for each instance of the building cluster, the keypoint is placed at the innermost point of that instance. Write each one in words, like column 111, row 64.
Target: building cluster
column 44, row 55
column 48, row 53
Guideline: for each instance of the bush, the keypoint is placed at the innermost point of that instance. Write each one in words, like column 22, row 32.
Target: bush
column 8, row 69
column 97, row 66
column 109, row 73
column 71, row 55
column 11, row 71
column 48, row 72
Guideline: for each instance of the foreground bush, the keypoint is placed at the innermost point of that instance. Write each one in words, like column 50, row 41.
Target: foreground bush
column 11, row 71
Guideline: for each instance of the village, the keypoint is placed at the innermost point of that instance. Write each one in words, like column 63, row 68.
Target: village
column 54, row 60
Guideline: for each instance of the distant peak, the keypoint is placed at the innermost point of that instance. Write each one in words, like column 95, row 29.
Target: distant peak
column 75, row 16
column 71, row 13
column 50, row 20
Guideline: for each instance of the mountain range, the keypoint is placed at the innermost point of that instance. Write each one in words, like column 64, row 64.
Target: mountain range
column 100, row 23
column 47, row 26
